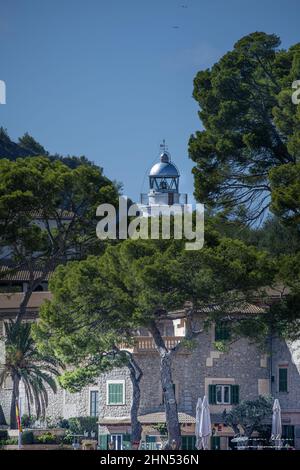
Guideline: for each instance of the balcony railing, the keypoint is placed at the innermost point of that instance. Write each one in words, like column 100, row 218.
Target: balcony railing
column 144, row 198
column 146, row 343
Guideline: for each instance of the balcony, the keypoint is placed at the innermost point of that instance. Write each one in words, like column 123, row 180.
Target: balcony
column 146, row 343
column 10, row 302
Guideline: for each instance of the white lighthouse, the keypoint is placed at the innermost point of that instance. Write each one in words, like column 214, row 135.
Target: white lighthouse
column 163, row 184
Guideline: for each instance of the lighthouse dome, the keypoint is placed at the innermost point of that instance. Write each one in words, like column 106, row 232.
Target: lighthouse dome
column 164, row 169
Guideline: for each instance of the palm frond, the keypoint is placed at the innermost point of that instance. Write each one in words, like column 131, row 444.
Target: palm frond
column 37, row 371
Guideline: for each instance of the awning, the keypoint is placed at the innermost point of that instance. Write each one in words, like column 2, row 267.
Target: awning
column 150, row 418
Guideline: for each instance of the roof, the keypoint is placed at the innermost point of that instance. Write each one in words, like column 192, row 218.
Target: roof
column 150, row 418
column 164, row 169
column 272, row 292
column 242, row 308
column 160, row 417
column 60, row 213
column 7, row 273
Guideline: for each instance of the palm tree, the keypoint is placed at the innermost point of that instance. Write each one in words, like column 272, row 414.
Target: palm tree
column 24, row 362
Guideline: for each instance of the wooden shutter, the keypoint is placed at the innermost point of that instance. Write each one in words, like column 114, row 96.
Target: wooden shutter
column 126, row 441
column 235, row 394
column 188, row 442
column 115, row 393
column 282, row 379
column 103, row 438
column 215, row 442
column 94, row 395
column 212, row 398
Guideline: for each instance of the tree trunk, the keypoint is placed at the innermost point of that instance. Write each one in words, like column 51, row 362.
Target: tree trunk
column 135, row 376
column 248, row 430
column 14, row 398
column 23, row 305
column 172, row 421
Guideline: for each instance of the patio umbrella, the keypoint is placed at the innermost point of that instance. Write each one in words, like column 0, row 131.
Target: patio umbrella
column 205, row 424
column 276, row 423
column 197, row 427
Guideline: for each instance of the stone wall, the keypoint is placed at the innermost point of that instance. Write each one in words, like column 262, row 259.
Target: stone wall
column 118, row 411
column 193, row 370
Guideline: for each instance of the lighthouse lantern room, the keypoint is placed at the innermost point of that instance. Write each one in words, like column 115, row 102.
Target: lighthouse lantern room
column 163, row 182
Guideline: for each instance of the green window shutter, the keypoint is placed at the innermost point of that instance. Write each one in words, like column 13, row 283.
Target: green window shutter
column 283, row 383
column 215, row 442
column 212, row 394
column 126, row 441
column 151, row 442
column 103, row 438
column 115, row 393
column 235, row 394
column 188, row 442
column 94, row 403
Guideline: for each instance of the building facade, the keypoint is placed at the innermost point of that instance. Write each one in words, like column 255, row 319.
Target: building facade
column 243, row 372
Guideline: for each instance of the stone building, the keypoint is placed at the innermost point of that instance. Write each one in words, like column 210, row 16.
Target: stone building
column 226, row 378
column 242, row 372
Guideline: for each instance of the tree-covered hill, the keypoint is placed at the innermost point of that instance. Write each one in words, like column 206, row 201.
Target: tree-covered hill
column 28, row 146
column 13, row 150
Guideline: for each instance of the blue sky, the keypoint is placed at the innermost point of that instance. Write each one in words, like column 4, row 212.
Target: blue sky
column 110, row 79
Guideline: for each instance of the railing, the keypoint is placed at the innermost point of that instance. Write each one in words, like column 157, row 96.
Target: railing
column 144, row 199
column 146, row 343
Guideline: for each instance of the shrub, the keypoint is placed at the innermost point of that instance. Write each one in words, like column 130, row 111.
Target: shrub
column 74, row 425
column 63, row 423
column 51, row 422
column 47, row 438
column 68, row 438
column 83, row 423
column 27, row 421
column 27, row 437
column 12, row 441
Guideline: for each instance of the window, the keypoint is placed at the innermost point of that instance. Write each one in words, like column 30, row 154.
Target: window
column 115, row 392
column 223, row 394
column 282, row 379
column 94, row 402
column 222, row 331
column 288, row 434
column 117, row 440
column 170, row 199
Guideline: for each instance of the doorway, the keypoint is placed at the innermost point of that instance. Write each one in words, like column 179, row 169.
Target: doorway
column 170, row 199
column 117, row 439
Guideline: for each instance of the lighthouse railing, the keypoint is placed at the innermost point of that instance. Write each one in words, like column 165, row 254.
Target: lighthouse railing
column 144, row 198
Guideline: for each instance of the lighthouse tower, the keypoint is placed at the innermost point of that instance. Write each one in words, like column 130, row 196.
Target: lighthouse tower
column 163, row 183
